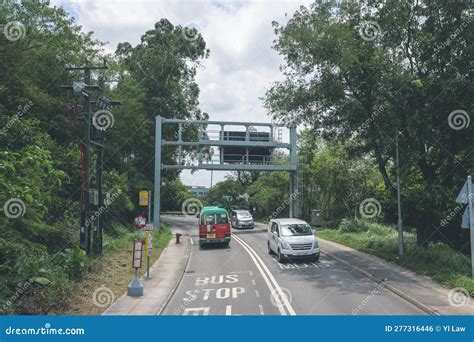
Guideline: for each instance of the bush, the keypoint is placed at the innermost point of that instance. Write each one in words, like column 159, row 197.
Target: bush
column 354, row 226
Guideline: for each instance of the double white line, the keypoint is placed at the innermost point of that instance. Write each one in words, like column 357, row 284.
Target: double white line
column 272, row 284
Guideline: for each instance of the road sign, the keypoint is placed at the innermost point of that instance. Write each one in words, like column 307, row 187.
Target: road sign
column 139, row 221
column 466, row 217
column 143, row 198
column 148, row 227
column 149, row 244
column 137, row 253
column 467, row 196
column 463, row 196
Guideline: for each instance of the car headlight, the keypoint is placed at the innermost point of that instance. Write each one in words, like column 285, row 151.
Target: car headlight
column 316, row 244
column 285, row 245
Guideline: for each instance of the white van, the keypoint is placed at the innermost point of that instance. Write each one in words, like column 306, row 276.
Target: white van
column 292, row 238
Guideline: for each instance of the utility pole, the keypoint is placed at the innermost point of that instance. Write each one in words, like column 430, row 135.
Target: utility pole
column 401, row 251
column 90, row 225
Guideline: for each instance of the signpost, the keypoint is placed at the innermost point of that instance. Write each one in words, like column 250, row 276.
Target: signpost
column 466, row 196
column 140, row 222
column 135, row 288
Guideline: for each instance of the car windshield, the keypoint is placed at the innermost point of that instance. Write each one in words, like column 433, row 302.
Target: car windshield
column 296, row 229
column 244, row 214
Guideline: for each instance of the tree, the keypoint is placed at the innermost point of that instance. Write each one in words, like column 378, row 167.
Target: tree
column 345, row 83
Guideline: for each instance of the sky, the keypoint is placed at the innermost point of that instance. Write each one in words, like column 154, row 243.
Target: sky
column 241, row 66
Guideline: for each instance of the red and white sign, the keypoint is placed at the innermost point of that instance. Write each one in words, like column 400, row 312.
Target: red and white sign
column 137, row 253
column 139, row 221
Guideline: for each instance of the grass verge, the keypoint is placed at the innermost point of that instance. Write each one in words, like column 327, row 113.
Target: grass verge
column 112, row 270
column 438, row 260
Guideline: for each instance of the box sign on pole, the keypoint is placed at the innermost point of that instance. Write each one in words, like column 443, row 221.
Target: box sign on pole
column 137, row 253
column 148, row 227
column 143, row 198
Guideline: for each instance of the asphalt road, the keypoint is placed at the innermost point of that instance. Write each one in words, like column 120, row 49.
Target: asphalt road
column 244, row 279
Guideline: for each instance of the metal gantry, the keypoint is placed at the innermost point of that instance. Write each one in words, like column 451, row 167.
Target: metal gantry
column 246, row 138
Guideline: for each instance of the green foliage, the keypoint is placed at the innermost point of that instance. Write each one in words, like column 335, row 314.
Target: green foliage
column 39, row 138
column 411, row 74
column 354, row 226
column 437, row 260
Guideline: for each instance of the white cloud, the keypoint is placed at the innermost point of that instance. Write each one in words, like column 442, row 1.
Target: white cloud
column 239, row 34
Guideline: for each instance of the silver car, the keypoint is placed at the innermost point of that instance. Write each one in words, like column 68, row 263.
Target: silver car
column 291, row 239
column 242, row 219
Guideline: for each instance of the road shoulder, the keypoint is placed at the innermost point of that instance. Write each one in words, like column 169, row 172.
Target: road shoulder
column 165, row 275
column 419, row 290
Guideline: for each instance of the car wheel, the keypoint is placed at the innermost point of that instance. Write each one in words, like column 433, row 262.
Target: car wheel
column 279, row 256
column 269, row 248
column 316, row 258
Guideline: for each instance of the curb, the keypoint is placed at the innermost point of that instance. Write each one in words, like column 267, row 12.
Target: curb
column 429, row 310
column 170, row 296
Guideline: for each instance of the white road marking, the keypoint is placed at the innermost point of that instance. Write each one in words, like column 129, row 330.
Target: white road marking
column 268, row 277
column 228, row 310
column 257, row 293
column 253, row 282
column 260, row 306
column 196, row 311
column 192, row 241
